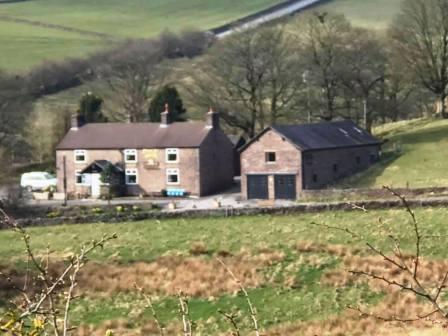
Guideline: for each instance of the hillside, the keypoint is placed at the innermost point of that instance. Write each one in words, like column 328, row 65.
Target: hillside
column 55, row 29
column 371, row 14
column 423, row 144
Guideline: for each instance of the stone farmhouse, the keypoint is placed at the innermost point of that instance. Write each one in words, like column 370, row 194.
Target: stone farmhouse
column 180, row 158
column 282, row 161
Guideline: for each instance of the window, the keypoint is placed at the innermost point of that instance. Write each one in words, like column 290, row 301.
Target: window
column 270, row 157
column 80, row 156
column 315, row 178
column 79, row 178
column 335, row 168
column 130, row 155
column 172, row 155
column 172, row 176
column 131, row 176
column 358, row 160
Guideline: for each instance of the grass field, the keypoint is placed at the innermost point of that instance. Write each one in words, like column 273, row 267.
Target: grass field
column 423, row 142
column 294, row 271
column 366, row 13
column 28, row 45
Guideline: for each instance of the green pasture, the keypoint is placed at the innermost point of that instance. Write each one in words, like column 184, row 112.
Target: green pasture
column 422, row 147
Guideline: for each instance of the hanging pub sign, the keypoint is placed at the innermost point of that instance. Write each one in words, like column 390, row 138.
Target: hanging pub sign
column 151, row 158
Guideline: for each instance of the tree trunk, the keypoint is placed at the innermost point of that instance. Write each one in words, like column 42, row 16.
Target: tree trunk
column 441, row 105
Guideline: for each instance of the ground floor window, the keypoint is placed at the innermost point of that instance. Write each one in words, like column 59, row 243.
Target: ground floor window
column 131, row 176
column 172, row 176
column 315, row 178
column 80, row 178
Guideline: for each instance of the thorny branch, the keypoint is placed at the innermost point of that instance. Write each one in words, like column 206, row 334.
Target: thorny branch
column 184, row 311
column 253, row 313
column 400, row 262
column 52, row 287
column 150, row 305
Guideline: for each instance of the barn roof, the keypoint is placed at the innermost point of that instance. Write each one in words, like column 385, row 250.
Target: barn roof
column 135, row 136
column 325, row 135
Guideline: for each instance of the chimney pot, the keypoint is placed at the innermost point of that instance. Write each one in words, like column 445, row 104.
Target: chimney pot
column 165, row 117
column 77, row 121
column 213, row 119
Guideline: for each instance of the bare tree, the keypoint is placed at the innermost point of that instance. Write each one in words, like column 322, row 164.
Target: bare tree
column 15, row 106
column 420, row 38
column 251, row 77
column 323, row 37
column 130, row 81
column 363, row 69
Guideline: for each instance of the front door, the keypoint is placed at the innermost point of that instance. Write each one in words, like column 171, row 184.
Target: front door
column 257, row 187
column 95, row 181
column 285, row 187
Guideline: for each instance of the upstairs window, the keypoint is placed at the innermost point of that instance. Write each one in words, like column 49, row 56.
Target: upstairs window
column 172, row 155
column 172, row 176
column 80, row 156
column 270, row 157
column 130, row 155
column 131, row 176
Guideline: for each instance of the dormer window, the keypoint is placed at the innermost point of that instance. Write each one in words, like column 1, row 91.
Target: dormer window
column 172, row 155
column 130, row 156
column 80, row 156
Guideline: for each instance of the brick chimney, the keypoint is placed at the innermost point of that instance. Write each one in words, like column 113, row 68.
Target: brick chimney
column 212, row 119
column 77, row 121
column 165, row 119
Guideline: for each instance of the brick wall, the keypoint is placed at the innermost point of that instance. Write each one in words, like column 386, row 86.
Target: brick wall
column 216, row 163
column 324, row 167
column 288, row 160
column 151, row 179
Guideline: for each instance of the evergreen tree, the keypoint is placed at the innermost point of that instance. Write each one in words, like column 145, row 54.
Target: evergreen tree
column 90, row 106
column 167, row 95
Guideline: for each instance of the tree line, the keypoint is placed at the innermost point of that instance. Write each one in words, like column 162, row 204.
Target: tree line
column 319, row 67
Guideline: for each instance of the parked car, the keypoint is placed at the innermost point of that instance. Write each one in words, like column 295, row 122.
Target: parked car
column 34, row 181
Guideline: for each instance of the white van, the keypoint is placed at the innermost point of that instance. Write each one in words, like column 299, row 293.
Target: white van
column 38, row 181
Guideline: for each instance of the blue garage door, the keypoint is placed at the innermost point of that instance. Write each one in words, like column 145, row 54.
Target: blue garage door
column 257, row 187
column 285, row 187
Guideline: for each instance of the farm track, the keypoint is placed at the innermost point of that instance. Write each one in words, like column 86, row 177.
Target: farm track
column 57, row 27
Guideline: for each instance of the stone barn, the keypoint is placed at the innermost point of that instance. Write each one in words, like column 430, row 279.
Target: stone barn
column 282, row 161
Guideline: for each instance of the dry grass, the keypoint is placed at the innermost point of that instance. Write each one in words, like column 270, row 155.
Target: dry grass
column 195, row 276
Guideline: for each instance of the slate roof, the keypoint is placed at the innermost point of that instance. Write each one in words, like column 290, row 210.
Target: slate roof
column 135, row 136
column 325, row 135
column 101, row 164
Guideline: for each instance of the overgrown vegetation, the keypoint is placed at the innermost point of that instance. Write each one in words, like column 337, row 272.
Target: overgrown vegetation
column 294, row 272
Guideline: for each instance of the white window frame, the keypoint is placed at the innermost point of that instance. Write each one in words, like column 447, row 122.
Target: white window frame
column 169, row 151
column 172, row 171
column 131, row 172
column 266, row 154
column 80, row 152
column 130, row 152
column 78, row 173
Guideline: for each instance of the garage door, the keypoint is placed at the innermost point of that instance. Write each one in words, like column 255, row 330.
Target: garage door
column 257, row 187
column 285, row 187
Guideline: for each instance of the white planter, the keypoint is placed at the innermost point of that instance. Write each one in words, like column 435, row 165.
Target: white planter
column 41, row 196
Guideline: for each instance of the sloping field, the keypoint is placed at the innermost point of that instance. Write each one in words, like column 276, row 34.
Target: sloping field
column 422, row 162
column 120, row 19
column 295, row 273
column 366, row 13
